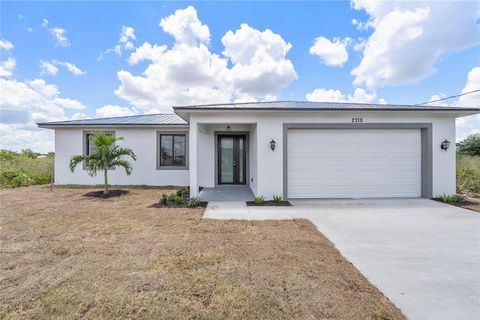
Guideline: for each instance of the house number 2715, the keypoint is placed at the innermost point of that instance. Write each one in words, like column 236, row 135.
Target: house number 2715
column 357, row 120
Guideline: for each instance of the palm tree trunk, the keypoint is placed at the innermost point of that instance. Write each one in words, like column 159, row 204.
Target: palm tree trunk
column 105, row 179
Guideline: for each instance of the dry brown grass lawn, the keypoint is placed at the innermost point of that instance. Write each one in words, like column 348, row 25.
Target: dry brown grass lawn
column 67, row 256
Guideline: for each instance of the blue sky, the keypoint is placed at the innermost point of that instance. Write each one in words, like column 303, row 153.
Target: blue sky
column 402, row 53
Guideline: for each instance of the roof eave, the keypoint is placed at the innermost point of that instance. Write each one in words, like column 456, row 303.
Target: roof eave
column 47, row 125
column 184, row 112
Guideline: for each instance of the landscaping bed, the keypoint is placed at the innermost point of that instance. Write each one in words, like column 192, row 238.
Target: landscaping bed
column 201, row 204
column 111, row 194
column 179, row 199
column 269, row 203
column 66, row 256
column 466, row 201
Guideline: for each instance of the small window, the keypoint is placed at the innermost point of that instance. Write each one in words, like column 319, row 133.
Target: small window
column 172, row 150
column 89, row 146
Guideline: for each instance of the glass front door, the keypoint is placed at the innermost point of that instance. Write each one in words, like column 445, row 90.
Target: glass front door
column 231, row 159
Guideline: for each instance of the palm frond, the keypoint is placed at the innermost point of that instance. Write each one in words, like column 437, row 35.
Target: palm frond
column 106, row 155
column 75, row 160
column 124, row 164
column 118, row 152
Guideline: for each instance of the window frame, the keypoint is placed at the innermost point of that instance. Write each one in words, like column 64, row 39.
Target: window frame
column 86, row 143
column 159, row 140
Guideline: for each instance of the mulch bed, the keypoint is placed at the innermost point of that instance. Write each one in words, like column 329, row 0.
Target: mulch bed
column 269, row 203
column 111, row 194
column 203, row 204
column 473, row 205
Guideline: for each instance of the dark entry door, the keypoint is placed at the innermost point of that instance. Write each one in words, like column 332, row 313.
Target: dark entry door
column 231, row 159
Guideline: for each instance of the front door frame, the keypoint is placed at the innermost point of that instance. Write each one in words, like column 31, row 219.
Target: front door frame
column 247, row 156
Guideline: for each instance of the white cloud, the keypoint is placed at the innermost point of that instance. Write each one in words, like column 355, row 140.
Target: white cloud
column 125, row 42
column 127, row 34
column 188, row 73
column 471, row 124
column 67, row 103
column 245, row 44
column 73, row 69
column 7, row 66
column 185, row 27
column 48, row 68
column 361, row 25
column 473, row 83
column 59, row 34
column 331, row 95
column 181, row 75
column 434, row 100
column 260, row 67
column 147, row 52
column 332, row 53
column 5, row 45
column 409, row 37
column 114, row 111
column 22, row 104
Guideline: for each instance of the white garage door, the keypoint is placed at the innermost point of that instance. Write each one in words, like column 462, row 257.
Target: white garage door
column 354, row 163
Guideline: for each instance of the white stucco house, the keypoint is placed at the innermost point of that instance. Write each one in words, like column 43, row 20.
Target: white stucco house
column 293, row 149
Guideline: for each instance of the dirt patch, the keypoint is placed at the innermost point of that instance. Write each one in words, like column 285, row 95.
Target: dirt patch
column 111, row 194
column 269, row 203
column 66, row 256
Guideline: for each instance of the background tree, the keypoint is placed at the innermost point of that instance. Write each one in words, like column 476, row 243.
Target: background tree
column 104, row 156
column 30, row 154
column 470, row 146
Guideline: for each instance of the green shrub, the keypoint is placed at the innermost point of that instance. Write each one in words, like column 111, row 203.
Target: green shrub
column 470, row 146
column 277, row 199
column 259, row 200
column 183, row 192
column 24, row 169
column 178, row 200
column 171, row 198
column 164, row 200
column 193, row 202
column 451, row 198
column 468, row 173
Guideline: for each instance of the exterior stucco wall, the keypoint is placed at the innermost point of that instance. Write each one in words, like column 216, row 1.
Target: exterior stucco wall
column 269, row 164
column 142, row 141
column 265, row 167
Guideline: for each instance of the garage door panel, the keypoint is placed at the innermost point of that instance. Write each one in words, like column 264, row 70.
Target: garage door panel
column 331, row 163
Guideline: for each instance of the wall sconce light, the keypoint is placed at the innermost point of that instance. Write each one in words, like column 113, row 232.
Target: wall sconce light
column 229, row 128
column 272, row 145
column 445, row 145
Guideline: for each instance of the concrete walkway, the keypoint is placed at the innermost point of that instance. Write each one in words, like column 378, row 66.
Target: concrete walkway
column 423, row 255
column 226, row 193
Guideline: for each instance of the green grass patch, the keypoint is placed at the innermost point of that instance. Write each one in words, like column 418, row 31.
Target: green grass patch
column 468, row 173
column 26, row 168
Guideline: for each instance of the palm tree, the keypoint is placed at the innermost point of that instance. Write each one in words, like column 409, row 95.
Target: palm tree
column 105, row 155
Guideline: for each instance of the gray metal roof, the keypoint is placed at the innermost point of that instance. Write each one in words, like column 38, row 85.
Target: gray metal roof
column 306, row 105
column 171, row 119
column 140, row 120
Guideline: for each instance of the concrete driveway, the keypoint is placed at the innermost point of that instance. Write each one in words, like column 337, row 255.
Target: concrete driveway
column 423, row 255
